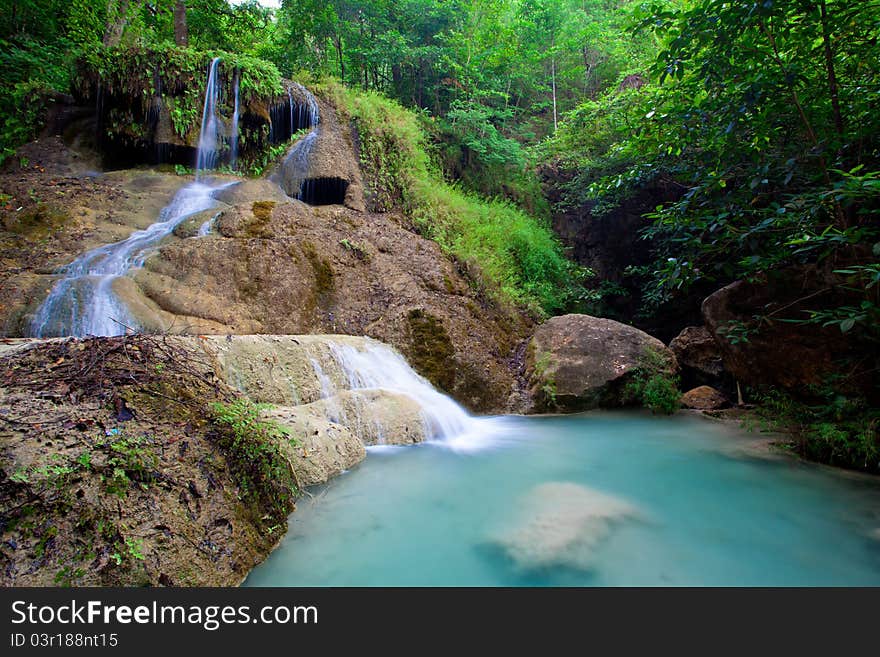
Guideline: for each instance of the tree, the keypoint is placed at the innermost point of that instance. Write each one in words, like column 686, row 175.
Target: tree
column 181, row 32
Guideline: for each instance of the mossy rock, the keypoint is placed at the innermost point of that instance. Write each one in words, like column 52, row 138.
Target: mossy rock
column 431, row 352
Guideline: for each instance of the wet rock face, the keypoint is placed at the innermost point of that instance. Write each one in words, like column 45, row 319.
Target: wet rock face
column 312, row 395
column 288, row 268
column 577, row 362
column 322, row 168
column 276, row 265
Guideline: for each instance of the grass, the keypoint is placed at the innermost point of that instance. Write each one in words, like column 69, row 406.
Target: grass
column 507, row 254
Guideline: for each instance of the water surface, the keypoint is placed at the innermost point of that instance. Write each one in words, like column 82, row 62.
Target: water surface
column 705, row 511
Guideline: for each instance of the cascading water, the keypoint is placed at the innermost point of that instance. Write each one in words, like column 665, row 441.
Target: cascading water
column 83, row 301
column 381, row 367
column 309, row 115
column 208, row 136
column 296, row 164
column 293, row 175
column 378, row 367
column 233, row 138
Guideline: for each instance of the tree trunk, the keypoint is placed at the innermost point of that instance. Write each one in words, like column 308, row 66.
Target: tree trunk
column 829, row 67
column 117, row 17
column 181, row 31
column 553, row 75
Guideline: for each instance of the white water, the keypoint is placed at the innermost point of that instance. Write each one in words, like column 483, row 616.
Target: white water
column 310, row 109
column 83, row 302
column 296, row 164
column 206, row 228
column 379, row 367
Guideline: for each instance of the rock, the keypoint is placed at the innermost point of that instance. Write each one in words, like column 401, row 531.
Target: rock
column 704, row 398
column 775, row 351
column 699, row 357
column 332, row 173
column 190, row 226
column 576, row 362
column 248, row 191
column 695, row 347
column 376, row 417
column 323, row 448
column 561, row 524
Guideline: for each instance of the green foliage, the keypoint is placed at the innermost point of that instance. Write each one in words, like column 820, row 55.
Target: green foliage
column 762, row 115
column 129, row 460
column 175, row 73
column 543, row 366
column 653, row 385
column 509, row 255
column 253, row 446
column 357, row 249
column 836, row 429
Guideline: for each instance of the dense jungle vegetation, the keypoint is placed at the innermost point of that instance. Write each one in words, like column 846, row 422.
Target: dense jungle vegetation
column 760, row 119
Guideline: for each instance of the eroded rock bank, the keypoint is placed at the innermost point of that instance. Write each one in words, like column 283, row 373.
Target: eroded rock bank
column 145, row 459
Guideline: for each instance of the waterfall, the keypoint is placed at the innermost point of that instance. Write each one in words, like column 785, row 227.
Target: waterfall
column 233, row 139
column 295, row 168
column 83, row 301
column 290, row 101
column 309, row 115
column 208, row 137
column 299, row 112
column 378, row 367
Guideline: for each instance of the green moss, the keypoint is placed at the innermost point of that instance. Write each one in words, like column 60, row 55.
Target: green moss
column 258, row 227
column 431, row 352
column 36, row 223
column 141, row 80
column 546, row 373
column 325, row 284
column 253, row 447
column 654, row 384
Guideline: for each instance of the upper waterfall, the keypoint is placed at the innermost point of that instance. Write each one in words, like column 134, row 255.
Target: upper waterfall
column 83, row 301
column 209, row 134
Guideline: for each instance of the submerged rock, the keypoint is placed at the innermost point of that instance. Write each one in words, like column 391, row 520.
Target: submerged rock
column 561, row 525
column 577, row 362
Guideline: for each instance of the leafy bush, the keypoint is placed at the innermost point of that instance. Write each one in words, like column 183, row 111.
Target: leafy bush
column 653, row 385
column 839, row 430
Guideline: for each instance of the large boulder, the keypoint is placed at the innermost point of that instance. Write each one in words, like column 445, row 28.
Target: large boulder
column 756, row 324
column 577, row 362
